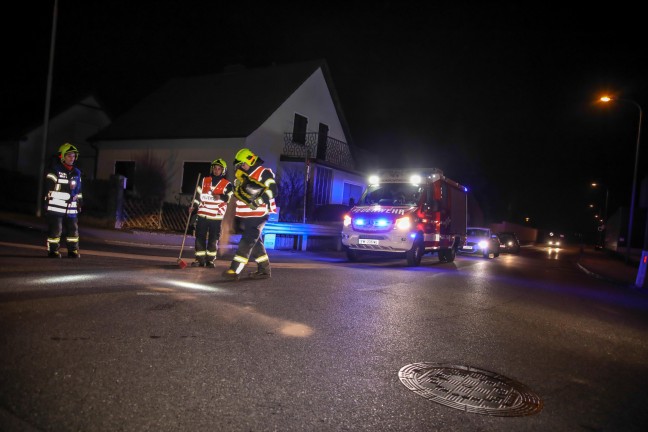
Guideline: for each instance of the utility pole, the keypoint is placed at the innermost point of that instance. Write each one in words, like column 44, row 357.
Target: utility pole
column 48, row 97
column 306, row 179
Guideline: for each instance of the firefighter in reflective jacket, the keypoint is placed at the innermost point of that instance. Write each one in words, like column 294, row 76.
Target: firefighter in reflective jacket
column 63, row 202
column 255, row 191
column 210, row 203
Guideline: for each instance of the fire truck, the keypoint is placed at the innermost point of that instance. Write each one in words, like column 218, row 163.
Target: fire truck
column 407, row 213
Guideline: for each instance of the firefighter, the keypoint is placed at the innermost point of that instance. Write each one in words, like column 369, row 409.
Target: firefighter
column 255, row 191
column 210, row 203
column 63, row 202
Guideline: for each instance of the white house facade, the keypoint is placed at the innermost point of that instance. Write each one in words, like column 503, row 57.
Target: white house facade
column 288, row 115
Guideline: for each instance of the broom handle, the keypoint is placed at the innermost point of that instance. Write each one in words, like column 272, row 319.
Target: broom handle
column 189, row 218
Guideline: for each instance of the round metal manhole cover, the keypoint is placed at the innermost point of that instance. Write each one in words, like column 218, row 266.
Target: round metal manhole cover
column 470, row 389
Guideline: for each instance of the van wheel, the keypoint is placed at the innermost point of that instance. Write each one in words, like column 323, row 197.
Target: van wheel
column 414, row 255
column 451, row 254
column 442, row 255
column 352, row 255
column 447, row 255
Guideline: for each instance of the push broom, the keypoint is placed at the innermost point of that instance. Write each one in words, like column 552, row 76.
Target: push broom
column 181, row 263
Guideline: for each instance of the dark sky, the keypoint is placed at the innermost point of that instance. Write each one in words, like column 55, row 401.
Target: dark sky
column 499, row 95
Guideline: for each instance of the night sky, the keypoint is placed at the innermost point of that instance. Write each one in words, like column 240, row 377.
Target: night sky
column 499, row 95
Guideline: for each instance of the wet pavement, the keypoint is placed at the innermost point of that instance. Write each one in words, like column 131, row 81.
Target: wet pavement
column 614, row 267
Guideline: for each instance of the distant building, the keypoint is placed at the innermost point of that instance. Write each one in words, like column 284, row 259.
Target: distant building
column 22, row 148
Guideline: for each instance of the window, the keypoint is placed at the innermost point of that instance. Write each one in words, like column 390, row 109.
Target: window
column 299, row 129
column 351, row 192
column 322, row 186
column 190, row 171
column 126, row 169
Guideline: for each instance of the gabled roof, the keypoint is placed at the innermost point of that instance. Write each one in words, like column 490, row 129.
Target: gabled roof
column 226, row 105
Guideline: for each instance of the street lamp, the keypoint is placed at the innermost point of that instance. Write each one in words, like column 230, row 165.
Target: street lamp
column 636, row 163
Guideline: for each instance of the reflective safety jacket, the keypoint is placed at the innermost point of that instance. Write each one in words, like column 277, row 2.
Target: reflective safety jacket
column 64, row 197
column 266, row 202
column 212, row 197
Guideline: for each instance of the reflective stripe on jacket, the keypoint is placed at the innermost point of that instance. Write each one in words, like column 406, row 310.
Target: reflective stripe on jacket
column 211, row 205
column 64, row 190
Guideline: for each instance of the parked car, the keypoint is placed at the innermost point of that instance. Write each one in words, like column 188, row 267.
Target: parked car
column 481, row 241
column 509, row 242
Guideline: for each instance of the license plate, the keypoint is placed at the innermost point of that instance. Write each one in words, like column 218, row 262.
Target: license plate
column 468, row 247
column 368, row 241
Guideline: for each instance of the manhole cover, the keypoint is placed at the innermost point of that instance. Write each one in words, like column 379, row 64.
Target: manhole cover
column 470, row 389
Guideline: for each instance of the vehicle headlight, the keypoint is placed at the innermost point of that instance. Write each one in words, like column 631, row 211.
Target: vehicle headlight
column 483, row 244
column 347, row 220
column 403, row 223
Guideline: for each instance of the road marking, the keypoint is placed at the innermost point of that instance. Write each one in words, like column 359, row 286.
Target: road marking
column 93, row 252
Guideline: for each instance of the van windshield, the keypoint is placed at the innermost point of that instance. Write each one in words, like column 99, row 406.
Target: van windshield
column 402, row 194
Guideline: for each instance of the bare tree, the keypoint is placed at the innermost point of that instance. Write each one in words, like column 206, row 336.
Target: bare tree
column 291, row 195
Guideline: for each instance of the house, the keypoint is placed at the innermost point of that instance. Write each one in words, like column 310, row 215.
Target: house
column 289, row 115
column 22, row 150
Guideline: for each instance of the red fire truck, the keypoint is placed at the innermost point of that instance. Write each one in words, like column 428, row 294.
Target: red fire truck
column 407, row 213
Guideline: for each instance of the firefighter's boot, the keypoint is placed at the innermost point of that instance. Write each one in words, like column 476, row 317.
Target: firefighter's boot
column 53, row 250
column 198, row 262
column 73, row 253
column 230, row 274
column 209, row 264
column 261, row 273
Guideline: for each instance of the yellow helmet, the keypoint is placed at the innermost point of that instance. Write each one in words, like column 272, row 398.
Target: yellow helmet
column 220, row 162
column 67, row 148
column 245, row 156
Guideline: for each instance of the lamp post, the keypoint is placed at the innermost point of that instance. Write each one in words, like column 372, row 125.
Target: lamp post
column 636, row 164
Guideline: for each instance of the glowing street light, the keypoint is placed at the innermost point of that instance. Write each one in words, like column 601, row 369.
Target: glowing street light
column 636, row 163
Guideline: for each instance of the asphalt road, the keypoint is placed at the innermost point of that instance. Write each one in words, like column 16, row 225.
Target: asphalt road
column 123, row 339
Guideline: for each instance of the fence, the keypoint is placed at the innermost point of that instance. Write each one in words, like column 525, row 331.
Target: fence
column 153, row 215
